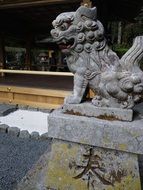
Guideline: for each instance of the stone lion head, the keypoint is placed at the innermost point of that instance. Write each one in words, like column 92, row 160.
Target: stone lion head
column 78, row 31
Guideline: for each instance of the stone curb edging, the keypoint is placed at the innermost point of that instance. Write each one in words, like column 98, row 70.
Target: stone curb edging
column 23, row 134
column 29, row 108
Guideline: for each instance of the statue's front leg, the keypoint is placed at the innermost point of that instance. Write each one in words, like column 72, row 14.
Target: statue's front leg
column 80, row 84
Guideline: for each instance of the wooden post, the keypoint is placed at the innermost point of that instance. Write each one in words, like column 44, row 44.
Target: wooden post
column 28, row 52
column 119, row 32
column 59, row 63
column 87, row 3
column 2, row 54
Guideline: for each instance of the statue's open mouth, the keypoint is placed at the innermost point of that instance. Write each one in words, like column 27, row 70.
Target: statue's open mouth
column 66, row 44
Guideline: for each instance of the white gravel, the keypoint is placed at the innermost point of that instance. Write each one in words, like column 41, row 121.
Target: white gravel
column 27, row 120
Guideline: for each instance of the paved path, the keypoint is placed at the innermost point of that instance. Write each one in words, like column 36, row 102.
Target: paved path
column 17, row 156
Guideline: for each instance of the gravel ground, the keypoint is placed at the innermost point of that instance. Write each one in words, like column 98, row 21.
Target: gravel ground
column 17, row 156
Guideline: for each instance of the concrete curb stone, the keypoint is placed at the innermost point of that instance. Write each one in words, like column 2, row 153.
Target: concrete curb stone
column 14, row 131
column 24, row 134
column 3, row 128
column 44, row 136
column 35, row 135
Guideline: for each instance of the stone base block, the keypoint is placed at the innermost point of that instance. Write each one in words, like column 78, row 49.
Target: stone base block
column 89, row 110
column 117, row 135
column 81, row 167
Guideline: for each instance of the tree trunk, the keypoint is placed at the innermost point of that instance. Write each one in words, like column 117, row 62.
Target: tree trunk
column 119, row 32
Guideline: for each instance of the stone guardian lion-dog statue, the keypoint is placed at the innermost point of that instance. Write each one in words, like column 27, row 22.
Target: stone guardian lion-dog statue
column 116, row 82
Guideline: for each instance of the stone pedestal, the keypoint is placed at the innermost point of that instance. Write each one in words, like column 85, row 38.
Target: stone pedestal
column 93, row 154
column 75, row 167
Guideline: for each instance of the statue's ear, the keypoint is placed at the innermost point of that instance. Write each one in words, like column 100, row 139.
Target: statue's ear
column 94, row 13
column 84, row 13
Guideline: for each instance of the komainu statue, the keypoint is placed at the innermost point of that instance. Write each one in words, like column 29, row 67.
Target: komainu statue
column 116, row 82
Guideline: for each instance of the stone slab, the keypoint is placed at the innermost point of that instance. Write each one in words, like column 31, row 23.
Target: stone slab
column 89, row 110
column 24, row 134
column 5, row 109
column 14, row 131
column 3, row 128
column 118, row 135
column 35, row 135
column 75, row 167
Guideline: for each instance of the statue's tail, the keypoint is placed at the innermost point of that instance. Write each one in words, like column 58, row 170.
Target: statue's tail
column 132, row 59
column 130, row 62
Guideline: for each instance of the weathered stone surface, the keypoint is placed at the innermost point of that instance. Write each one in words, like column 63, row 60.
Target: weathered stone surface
column 5, row 109
column 14, row 131
column 44, row 136
column 35, row 135
column 24, row 134
column 118, row 135
column 116, row 82
column 91, row 153
column 75, row 167
column 46, row 110
column 3, row 128
column 89, row 110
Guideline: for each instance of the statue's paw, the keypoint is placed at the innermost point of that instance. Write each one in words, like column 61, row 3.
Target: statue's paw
column 100, row 102
column 72, row 100
column 96, row 102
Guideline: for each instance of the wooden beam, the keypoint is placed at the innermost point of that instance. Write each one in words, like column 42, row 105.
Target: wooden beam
column 18, row 4
column 36, row 72
column 39, row 98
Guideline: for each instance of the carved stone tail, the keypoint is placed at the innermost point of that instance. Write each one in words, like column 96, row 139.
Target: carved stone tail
column 131, row 60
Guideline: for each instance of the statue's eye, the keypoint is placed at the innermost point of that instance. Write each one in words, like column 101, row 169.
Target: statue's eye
column 64, row 26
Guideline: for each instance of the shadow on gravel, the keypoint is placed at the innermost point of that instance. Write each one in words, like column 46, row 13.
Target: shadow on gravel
column 17, row 156
column 141, row 169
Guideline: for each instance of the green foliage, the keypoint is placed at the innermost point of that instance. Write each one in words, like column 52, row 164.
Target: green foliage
column 120, row 50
